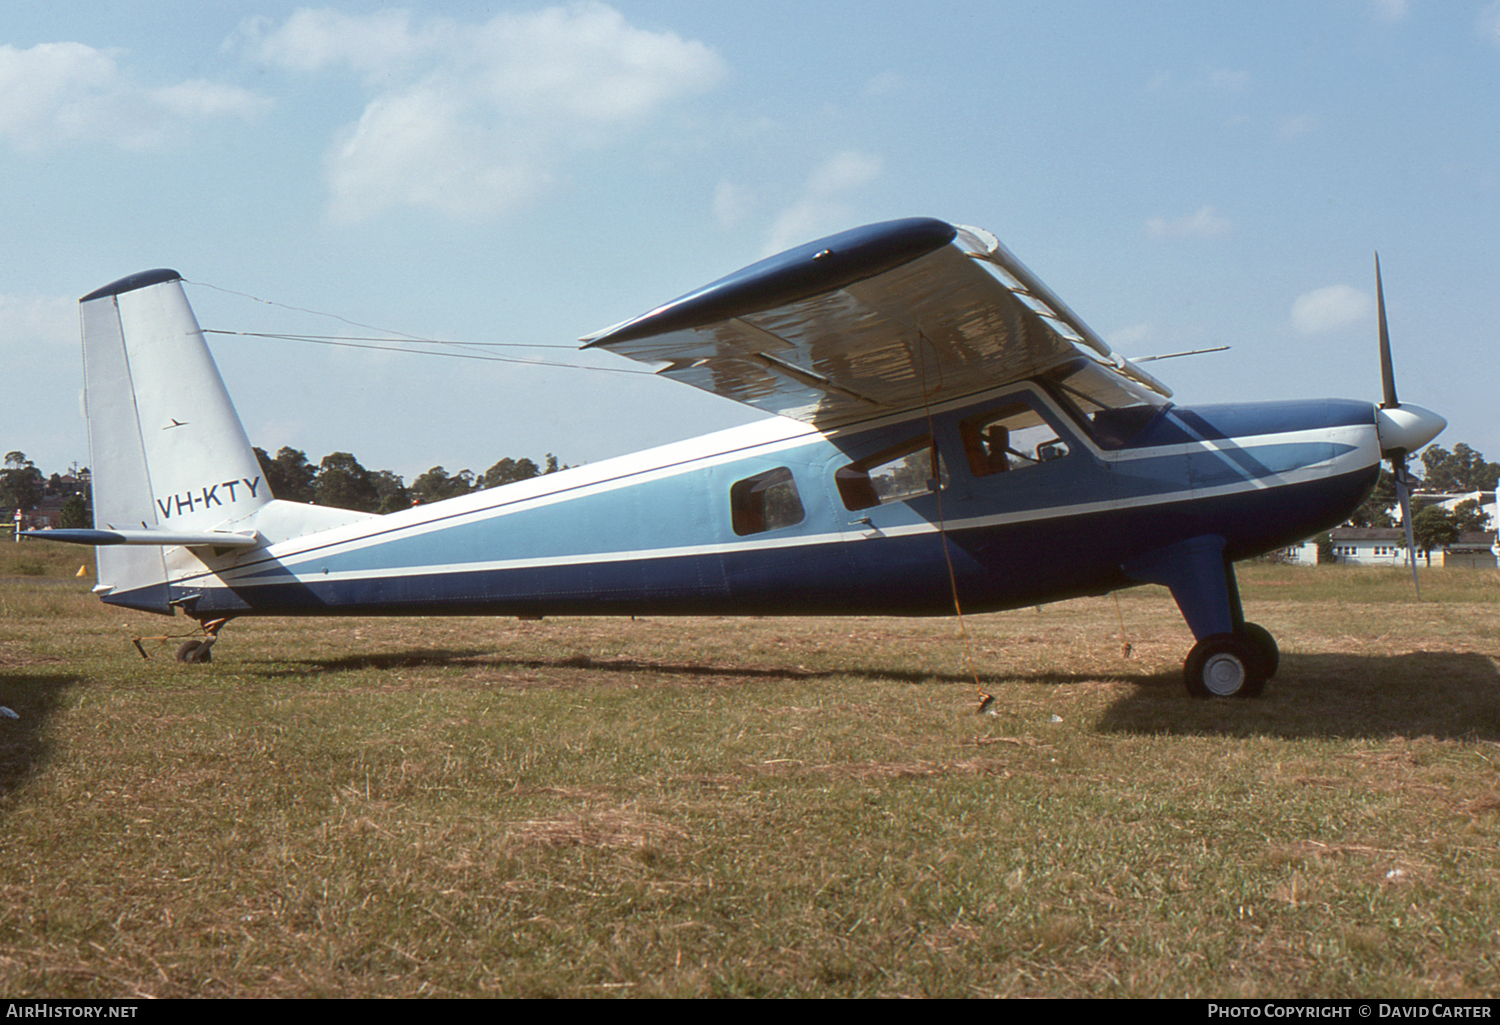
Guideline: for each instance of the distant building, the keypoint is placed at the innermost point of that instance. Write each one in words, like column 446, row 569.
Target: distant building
column 1386, row 546
column 1451, row 500
column 1303, row 553
column 1474, row 549
column 1370, row 546
column 45, row 515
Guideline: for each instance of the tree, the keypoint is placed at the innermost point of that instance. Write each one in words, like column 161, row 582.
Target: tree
column 1376, row 510
column 507, row 471
column 392, row 491
column 435, row 485
column 1463, row 469
column 1469, row 515
column 20, row 482
column 289, row 475
column 344, row 484
column 1433, row 527
column 75, row 514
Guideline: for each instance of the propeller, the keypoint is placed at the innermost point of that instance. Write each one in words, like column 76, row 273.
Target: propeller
column 1401, row 429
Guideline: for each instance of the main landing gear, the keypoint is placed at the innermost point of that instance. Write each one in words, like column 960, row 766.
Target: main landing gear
column 1232, row 665
column 1232, row 658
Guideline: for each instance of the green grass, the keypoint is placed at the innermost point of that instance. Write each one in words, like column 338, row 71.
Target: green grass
column 758, row 807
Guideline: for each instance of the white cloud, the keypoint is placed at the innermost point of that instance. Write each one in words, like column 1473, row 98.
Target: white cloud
column 473, row 119
column 1488, row 23
column 1389, row 12
column 886, row 83
column 1231, row 81
column 1331, row 309
column 1132, row 336
column 1296, row 126
column 315, row 40
column 732, row 204
column 820, row 209
column 1160, row 81
column 1205, row 223
column 57, row 93
column 27, row 322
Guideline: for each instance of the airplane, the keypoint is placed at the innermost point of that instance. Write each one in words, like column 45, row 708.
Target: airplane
column 950, row 438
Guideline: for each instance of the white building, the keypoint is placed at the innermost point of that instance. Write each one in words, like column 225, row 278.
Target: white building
column 1451, row 500
column 1386, row 546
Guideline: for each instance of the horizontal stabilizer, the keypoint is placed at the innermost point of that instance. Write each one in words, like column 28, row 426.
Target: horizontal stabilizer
column 219, row 539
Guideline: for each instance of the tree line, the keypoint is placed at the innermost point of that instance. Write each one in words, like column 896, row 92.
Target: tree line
column 339, row 480
column 23, row 486
column 336, row 480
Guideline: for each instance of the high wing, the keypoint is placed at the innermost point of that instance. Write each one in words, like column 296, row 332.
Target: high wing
column 877, row 320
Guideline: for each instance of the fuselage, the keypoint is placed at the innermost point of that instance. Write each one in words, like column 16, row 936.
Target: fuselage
column 886, row 517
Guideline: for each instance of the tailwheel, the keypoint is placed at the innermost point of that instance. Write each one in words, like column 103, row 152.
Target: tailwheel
column 196, row 652
column 1227, row 665
column 200, row 650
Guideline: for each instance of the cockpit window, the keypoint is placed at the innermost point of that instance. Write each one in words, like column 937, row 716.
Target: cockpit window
column 1113, row 408
column 1010, row 437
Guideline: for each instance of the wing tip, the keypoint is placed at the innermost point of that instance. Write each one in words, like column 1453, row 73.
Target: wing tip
column 824, row 265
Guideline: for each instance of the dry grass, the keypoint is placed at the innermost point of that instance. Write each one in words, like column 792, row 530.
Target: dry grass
column 757, row 807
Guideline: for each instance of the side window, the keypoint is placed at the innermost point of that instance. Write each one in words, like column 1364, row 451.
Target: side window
column 1012, row 437
column 900, row 472
column 767, row 501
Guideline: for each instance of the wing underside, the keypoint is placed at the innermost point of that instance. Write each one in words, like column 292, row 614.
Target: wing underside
column 878, row 320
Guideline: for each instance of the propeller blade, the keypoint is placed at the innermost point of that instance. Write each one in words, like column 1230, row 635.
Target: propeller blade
column 1403, row 494
column 1387, row 371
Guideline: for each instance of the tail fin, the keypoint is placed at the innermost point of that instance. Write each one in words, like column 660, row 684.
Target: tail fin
column 167, row 450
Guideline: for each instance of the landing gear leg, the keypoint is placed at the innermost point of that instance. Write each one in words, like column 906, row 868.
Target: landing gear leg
column 1232, row 658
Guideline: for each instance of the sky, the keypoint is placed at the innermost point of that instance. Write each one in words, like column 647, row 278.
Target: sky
column 1183, row 174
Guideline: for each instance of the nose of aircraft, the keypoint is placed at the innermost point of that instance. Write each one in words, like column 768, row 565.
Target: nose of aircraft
column 1406, row 428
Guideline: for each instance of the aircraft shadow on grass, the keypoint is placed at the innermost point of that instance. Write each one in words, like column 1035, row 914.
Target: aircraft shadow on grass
column 1445, row 695
column 623, row 665
column 25, row 744
column 1439, row 694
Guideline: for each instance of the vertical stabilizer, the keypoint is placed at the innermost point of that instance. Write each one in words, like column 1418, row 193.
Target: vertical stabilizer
column 167, row 450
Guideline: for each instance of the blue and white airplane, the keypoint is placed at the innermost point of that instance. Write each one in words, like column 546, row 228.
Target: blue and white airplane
column 950, row 436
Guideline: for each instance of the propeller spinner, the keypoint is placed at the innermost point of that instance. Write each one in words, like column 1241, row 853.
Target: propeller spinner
column 1401, row 429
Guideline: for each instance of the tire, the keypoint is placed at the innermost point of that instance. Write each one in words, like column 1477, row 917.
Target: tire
column 195, row 652
column 1225, row 666
column 1270, row 654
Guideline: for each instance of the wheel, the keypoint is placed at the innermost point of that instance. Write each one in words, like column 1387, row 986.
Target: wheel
column 1224, row 666
column 1270, row 654
column 195, row 652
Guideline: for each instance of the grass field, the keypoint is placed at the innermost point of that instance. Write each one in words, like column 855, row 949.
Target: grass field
column 758, row 807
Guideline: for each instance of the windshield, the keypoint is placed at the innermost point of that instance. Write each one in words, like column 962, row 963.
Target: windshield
column 1112, row 407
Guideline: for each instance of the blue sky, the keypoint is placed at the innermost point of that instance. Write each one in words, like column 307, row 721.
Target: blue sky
column 1183, row 174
